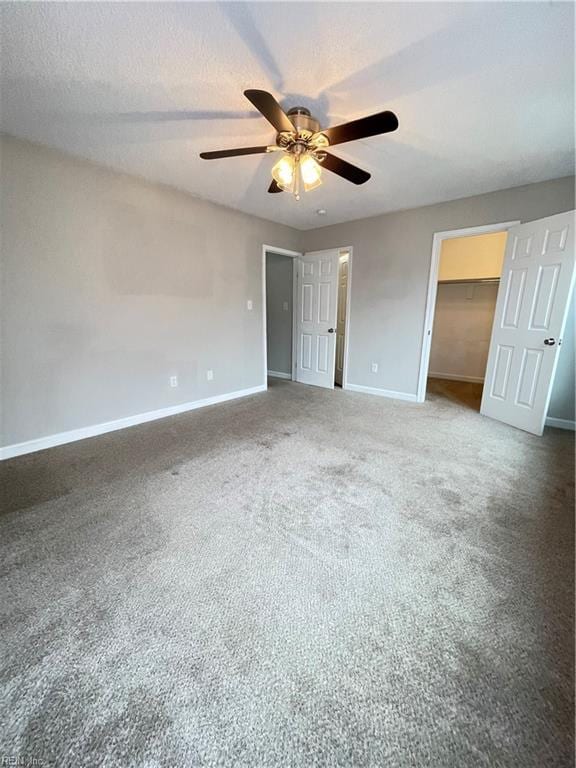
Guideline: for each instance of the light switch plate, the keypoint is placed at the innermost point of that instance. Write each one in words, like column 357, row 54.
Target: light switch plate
column 249, row 304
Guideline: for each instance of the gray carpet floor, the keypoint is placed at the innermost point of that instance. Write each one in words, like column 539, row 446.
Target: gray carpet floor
column 299, row 578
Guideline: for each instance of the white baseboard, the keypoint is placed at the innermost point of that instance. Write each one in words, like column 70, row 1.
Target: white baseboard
column 382, row 392
column 280, row 375
column 50, row 441
column 456, row 377
column 561, row 423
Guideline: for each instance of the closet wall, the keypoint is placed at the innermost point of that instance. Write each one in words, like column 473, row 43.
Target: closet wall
column 469, row 258
column 462, row 329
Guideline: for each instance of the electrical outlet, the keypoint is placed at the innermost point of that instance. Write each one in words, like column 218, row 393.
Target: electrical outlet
column 209, row 375
column 173, row 381
column 285, row 306
column 249, row 304
column 374, row 367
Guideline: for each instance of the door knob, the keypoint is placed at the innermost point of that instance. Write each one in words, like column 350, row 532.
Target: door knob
column 550, row 342
column 331, row 330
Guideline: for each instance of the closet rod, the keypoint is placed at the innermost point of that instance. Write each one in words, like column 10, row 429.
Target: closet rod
column 471, row 280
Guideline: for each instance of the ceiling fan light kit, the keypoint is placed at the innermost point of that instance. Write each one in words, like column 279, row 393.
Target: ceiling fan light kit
column 304, row 145
column 294, row 171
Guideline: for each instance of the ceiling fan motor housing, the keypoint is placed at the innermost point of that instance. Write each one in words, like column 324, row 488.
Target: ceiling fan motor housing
column 303, row 122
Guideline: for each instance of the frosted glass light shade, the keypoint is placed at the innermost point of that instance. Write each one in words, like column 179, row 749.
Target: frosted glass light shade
column 283, row 172
column 311, row 173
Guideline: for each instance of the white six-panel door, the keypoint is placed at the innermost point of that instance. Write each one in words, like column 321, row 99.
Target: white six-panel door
column 316, row 319
column 535, row 289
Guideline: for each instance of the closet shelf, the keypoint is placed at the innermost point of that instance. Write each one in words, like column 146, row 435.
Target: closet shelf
column 470, row 280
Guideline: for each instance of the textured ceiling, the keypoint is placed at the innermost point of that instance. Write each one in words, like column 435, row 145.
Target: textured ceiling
column 484, row 93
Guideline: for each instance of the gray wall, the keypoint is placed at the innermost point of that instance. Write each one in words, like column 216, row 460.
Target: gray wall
column 390, row 278
column 111, row 285
column 279, row 297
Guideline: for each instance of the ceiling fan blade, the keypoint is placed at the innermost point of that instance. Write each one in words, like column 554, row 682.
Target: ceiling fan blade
column 274, row 187
column 233, row 152
column 373, row 125
column 267, row 105
column 346, row 170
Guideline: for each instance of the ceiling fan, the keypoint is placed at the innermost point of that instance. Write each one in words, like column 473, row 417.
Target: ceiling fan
column 304, row 144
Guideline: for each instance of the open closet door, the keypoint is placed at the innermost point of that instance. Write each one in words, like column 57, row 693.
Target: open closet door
column 316, row 318
column 535, row 289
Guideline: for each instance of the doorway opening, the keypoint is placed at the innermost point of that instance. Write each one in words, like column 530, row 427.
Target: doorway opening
column 306, row 300
column 342, row 317
column 280, row 273
column 527, row 324
column 464, row 281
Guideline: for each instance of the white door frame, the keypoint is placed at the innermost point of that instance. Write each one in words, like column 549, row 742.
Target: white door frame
column 294, row 255
column 349, row 249
column 439, row 238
